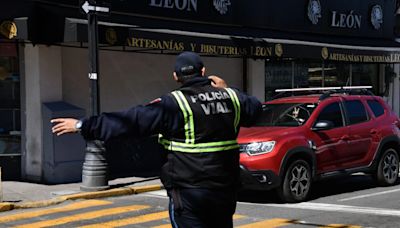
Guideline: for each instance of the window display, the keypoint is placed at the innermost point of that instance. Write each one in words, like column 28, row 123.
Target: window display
column 297, row 73
column 10, row 118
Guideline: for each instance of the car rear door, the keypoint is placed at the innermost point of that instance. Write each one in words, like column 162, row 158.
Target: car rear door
column 331, row 144
column 362, row 131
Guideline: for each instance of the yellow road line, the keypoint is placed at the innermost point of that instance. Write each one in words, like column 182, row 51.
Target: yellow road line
column 235, row 216
column 70, row 207
column 163, row 226
column 85, row 216
column 131, row 221
column 340, row 226
column 268, row 223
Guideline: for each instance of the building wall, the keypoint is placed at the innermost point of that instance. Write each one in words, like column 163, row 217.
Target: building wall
column 42, row 84
column 128, row 79
column 393, row 98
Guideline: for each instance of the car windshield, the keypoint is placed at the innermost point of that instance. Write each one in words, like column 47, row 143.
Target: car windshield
column 285, row 114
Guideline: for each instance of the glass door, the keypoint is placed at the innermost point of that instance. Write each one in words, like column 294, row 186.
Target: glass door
column 10, row 111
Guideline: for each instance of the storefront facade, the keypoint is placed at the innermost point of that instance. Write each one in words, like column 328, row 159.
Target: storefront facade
column 257, row 47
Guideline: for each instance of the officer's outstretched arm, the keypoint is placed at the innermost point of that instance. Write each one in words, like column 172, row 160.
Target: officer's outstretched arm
column 139, row 121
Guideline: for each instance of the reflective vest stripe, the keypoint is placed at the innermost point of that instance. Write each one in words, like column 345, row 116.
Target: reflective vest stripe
column 191, row 120
column 187, row 115
column 199, row 147
column 236, row 105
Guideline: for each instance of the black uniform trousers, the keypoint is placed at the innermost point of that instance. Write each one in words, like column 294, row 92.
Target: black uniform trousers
column 201, row 208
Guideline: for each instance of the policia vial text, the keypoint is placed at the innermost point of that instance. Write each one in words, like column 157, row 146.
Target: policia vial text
column 215, row 104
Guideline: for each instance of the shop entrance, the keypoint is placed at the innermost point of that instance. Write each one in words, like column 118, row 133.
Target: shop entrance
column 10, row 112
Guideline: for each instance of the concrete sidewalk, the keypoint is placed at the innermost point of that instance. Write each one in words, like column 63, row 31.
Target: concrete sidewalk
column 30, row 195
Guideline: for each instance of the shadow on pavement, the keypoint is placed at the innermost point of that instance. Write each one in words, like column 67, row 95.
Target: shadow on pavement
column 324, row 188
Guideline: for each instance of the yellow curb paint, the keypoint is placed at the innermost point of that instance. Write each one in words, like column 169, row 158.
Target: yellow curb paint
column 85, row 216
column 100, row 194
column 269, row 223
column 148, row 188
column 131, row 221
column 70, row 207
column 35, row 204
column 84, row 195
column 6, row 206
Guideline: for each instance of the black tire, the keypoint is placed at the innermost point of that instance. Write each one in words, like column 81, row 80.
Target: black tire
column 296, row 182
column 387, row 172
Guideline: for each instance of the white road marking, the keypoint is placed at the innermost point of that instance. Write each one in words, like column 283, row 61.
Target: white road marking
column 334, row 208
column 159, row 193
column 369, row 195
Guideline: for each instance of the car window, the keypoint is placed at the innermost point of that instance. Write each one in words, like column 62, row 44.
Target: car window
column 376, row 107
column 355, row 111
column 285, row 114
column 332, row 113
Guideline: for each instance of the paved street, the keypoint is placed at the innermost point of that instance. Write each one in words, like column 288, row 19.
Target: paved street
column 341, row 202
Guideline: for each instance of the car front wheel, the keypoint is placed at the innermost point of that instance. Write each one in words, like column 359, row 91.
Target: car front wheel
column 388, row 168
column 296, row 184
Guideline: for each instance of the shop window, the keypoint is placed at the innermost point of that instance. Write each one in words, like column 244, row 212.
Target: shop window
column 365, row 75
column 10, row 118
column 296, row 73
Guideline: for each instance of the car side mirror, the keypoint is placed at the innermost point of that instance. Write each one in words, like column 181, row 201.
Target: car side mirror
column 323, row 125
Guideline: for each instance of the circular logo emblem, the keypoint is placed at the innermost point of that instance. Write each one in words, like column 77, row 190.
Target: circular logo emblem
column 376, row 16
column 222, row 6
column 8, row 29
column 111, row 36
column 314, row 11
column 278, row 50
column 325, row 53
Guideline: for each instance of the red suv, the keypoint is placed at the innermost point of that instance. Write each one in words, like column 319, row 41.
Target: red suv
column 300, row 139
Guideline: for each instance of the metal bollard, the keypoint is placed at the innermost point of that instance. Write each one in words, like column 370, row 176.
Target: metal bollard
column 94, row 170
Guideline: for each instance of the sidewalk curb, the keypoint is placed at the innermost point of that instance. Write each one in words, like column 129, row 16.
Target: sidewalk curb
column 83, row 195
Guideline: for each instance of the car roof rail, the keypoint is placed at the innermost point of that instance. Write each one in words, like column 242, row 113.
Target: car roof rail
column 301, row 91
column 327, row 91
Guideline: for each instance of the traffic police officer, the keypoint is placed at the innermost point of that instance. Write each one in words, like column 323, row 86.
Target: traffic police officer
column 198, row 125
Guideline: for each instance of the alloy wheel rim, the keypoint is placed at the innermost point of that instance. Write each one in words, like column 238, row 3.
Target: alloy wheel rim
column 299, row 181
column 390, row 167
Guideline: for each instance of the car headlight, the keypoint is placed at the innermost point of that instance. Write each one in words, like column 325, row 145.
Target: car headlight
column 257, row 148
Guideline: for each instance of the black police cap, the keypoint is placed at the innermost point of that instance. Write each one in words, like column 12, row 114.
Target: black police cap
column 188, row 64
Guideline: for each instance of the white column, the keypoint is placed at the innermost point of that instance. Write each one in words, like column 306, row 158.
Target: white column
column 43, row 83
column 256, row 78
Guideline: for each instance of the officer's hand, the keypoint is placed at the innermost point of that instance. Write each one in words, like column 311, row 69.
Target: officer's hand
column 64, row 125
column 217, row 82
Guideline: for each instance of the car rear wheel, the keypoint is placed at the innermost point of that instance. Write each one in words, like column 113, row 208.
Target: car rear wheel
column 296, row 183
column 388, row 168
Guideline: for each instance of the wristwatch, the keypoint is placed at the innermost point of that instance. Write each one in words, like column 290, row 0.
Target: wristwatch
column 78, row 125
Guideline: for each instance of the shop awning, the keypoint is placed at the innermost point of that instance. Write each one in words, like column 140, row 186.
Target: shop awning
column 136, row 38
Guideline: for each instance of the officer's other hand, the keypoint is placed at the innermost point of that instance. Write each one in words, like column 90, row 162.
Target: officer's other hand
column 217, row 82
column 64, row 125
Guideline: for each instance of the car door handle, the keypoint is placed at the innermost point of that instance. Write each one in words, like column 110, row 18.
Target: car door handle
column 344, row 137
column 373, row 131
